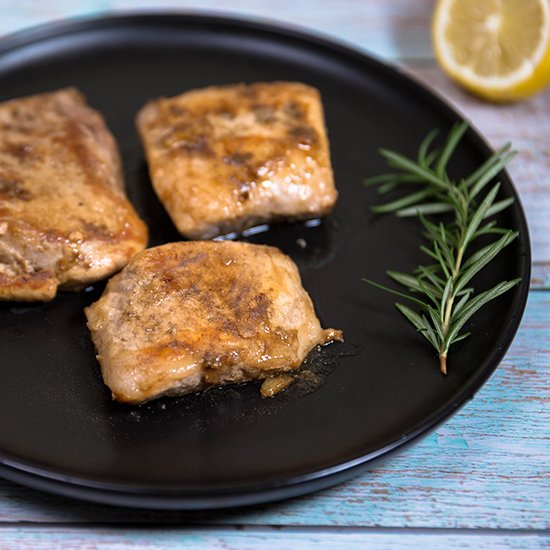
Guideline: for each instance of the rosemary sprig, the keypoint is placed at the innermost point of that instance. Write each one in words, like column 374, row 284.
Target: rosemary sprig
column 440, row 290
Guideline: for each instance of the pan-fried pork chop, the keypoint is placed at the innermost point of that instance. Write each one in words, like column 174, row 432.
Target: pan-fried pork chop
column 186, row 316
column 226, row 158
column 65, row 220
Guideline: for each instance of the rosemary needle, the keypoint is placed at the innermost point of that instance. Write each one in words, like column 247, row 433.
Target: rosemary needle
column 441, row 290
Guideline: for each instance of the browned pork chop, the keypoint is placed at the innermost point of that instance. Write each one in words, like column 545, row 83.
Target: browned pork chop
column 226, row 158
column 185, row 316
column 65, row 220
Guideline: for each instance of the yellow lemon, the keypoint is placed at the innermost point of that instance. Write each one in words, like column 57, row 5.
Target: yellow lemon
column 498, row 49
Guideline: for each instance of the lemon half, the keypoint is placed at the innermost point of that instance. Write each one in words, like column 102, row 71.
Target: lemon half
column 498, row 49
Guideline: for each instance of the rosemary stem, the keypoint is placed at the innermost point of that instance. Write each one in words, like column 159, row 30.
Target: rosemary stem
column 443, row 362
column 458, row 263
column 449, row 308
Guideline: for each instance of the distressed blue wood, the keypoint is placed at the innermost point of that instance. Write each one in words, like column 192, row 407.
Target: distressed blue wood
column 25, row 538
column 487, row 467
column 540, row 276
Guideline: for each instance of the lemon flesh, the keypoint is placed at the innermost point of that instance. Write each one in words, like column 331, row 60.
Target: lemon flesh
column 499, row 49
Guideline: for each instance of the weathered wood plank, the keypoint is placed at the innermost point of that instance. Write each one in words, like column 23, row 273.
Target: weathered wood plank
column 487, row 467
column 31, row 538
column 540, row 276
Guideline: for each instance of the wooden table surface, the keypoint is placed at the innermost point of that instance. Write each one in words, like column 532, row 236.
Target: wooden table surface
column 481, row 480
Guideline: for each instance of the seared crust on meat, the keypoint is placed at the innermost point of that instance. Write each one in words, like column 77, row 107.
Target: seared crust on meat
column 226, row 158
column 65, row 220
column 186, row 316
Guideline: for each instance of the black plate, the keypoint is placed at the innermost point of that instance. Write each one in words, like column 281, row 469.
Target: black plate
column 59, row 429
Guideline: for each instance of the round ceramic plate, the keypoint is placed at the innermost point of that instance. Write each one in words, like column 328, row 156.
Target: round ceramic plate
column 61, row 431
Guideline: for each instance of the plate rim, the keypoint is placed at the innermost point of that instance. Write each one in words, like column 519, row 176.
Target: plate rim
column 219, row 495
